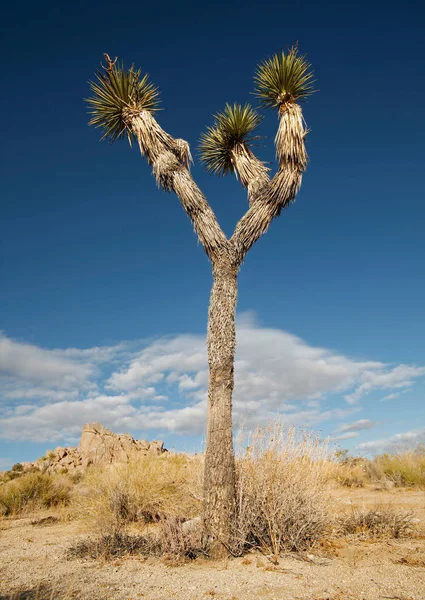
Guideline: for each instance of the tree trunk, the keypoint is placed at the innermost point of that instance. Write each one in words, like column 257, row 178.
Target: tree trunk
column 219, row 478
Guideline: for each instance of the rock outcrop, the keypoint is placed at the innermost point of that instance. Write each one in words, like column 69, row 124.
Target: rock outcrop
column 98, row 445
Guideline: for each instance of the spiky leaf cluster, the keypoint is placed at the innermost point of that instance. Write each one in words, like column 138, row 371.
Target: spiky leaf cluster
column 232, row 127
column 284, row 78
column 116, row 90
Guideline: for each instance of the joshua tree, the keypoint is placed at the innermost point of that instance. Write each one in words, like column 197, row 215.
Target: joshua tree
column 123, row 104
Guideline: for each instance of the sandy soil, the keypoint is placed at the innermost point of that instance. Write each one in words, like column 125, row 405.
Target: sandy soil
column 33, row 565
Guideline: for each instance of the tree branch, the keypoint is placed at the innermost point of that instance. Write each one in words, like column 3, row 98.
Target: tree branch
column 251, row 172
column 269, row 198
column 170, row 161
column 274, row 196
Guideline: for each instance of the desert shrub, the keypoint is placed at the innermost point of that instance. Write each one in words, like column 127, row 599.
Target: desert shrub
column 75, row 476
column 114, row 545
column 144, row 490
column 376, row 522
column 282, row 493
column 32, row 491
column 16, row 471
column 349, row 471
column 9, row 475
column 171, row 540
column 406, row 468
column 350, row 475
column 179, row 542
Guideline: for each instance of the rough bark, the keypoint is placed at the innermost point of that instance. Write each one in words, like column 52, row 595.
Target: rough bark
column 170, row 161
column 219, row 478
column 270, row 201
column 251, row 172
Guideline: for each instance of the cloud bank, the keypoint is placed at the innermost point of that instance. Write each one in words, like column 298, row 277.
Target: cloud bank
column 351, row 430
column 399, row 441
column 48, row 395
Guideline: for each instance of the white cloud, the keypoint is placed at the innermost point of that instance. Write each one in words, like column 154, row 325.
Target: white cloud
column 278, row 376
column 28, row 371
column 399, row 441
column 29, row 363
column 401, row 376
column 64, row 420
column 395, row 394
column 42, row 393
column 357, row 425
column 184, row 353
column 347, row 436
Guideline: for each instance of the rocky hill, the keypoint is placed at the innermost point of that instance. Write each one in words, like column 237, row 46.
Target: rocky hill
column 98, row 445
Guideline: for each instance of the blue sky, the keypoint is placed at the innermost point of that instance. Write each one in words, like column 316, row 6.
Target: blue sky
column 103, row 287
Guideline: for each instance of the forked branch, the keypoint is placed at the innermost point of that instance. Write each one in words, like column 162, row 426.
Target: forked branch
column 226, row 147
column 268, row 204
column 282, row 189
column 124, row 104
column 280, row 82
column 170, row 164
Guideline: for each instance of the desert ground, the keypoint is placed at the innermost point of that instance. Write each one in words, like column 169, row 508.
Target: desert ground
column 34, row 563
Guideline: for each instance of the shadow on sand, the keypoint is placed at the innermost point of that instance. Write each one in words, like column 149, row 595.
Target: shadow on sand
column 41, row 592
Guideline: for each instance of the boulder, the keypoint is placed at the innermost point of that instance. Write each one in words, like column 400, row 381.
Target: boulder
column 60, row 452
column 156, row 447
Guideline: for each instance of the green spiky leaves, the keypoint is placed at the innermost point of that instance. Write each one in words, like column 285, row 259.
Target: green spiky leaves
column 232, row 128
column 116, row 92
column 284, row 78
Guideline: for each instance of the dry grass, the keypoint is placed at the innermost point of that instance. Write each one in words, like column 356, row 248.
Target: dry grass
column 376, row 523
column 179, row 543
column 15, row 472
column 144, row 491
column 115, row 545
column 34, row 491
column 283, row 500
column 403, row 469
column 44, row 592
column 169, row 540
column 350, row 472
column 414, row 558
column 157, row 494
column 406, row 468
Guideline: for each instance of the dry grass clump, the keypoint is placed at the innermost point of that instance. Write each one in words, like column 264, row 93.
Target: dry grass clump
column 15, row 472
column 349, row 471
column 350, row 475
column 406, row 468
column 170, row 540
column 159, row 494
column 283, row 500
column 46, row 592
column 413, row 558
column 144, row 490
column 377, row 522
column 179, row 542
column 34, row 491
column 115, row 545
